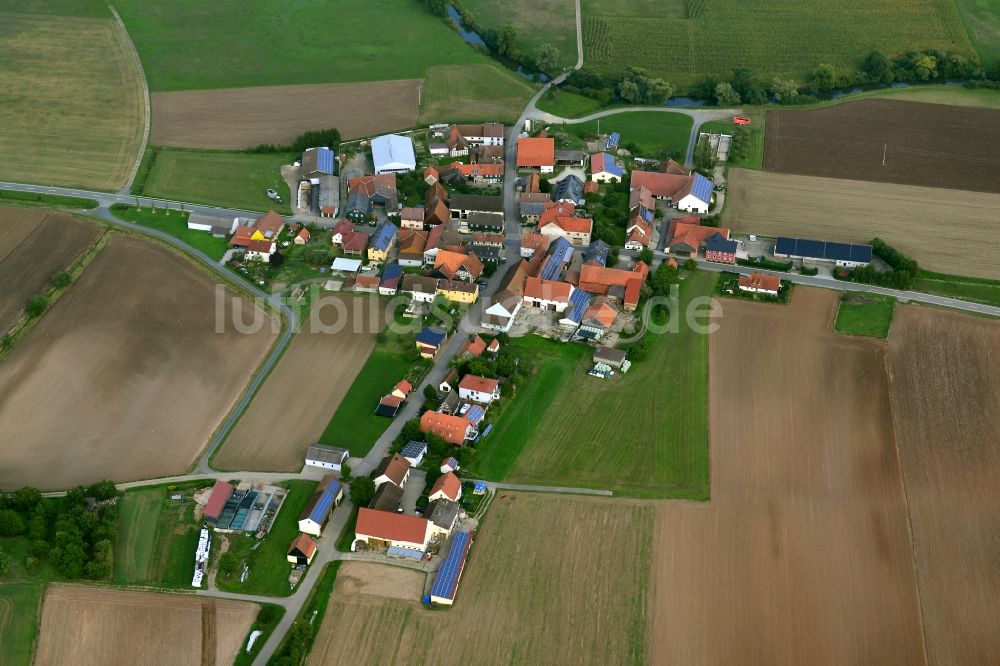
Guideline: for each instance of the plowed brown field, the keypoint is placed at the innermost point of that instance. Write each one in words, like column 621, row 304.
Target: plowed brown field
column 125, row 377
column 35, row 244
column 550, row 580
column 945, row 230
column 93, row 626
column 802, row 556
column 888, row 141
column 238, row 118
column 945, row 391
column 295, row 403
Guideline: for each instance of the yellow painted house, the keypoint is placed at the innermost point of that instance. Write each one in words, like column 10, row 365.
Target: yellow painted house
column 382, row 242
column 458, row 292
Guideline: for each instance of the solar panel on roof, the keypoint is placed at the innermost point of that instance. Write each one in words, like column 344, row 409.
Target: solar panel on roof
column 325, row 502
column 614, row 139
column 446, row 581
column 475, row 414
column 324, row 160
column 702, row 188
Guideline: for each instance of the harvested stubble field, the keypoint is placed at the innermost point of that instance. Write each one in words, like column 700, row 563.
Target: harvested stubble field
column 379, row 580
column 943, row 372
column 566, row 577
column 72, row 112
column 294, row 405
column 942, row 229
column 125, row 377
column 94, row 626
column 35, row 245
column 803, row 554
column 928, row 145
column 239, row 118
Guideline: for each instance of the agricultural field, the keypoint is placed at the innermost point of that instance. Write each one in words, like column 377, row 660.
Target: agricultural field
column 943, row 371
column 543, row 22
column 473, row 93
column 934, row 94
column 524, row 569
column 888, row 141
column 35, row 245
column 156, row 537
column 803, row 553
column 353, row 424
column 982, row 20
column 865, row 314
column 712, row 38
column 558, row 102
column 74, row 115
column 912, row 219
column 654, row 132
column 94, row 626
column 240, row 118
column 19, row 606
column 110, row 366
column 293, row 406
column 229, row 180
column 978, row 290
column 634, row 437
column 174, row 222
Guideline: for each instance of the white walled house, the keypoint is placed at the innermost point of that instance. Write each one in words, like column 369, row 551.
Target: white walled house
column 326, row 457
column 382, row 529
column 479, row 389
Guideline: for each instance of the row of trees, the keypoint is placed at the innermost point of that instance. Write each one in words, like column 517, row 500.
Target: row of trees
column 902, row 274
column 324, row 137
column 61, row 531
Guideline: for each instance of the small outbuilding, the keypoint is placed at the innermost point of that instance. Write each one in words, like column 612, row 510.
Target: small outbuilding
column 326, row 457
column 610, row 356
column 302, row 550
column 414, row 452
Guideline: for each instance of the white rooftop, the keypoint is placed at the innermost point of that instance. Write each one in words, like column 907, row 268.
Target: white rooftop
column 346, row 265
column 392, row 152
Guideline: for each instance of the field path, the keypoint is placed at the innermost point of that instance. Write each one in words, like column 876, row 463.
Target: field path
column 145, row 100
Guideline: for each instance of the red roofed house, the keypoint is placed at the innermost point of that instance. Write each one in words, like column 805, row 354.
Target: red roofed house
column 474, row 348
column 639, row 233
column 261, row 249
column 382, row 529
column 448, row 486
column 412, row 217
column 479, row 389
column 302, row 237
column 760, row 283
column 597, row 320
column 457, row 266
column 402, row 389
column 536, row 153
column 547, row 294
column 614, row 282
column 691, row 192
column 367, row 283
column 302, row 550
column 532, row 243
column 479, row 173
column 393, row 469
column 220, row 495
column 686, row 239
column 576, row 230
column 431, row 175
column 452, row 429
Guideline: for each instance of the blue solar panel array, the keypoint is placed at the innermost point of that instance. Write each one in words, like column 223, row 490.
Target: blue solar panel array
column 325, row 502
column 383, row 235
column 816, row 249
column 702, row 188
column 413, row 449
column 614, row 140
column 392, row 270
column 646, row 214
column 578, row 301
column 451, row 569
column 324, row 160
column 607, row 164
column 431, row 336
column 475, row 414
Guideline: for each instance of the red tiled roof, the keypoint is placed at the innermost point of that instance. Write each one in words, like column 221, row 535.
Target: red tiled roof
column 482, row 170
column 450, row 262
column 632, row 290
column 367, row 184
column 475, row 347
column 412, row 213
column 241, row 236
column 760, row 281
column 603, row 313
column 220, row 493
column 354, row 240
column 304, row 234
column 693, row 235
column 270, row 224
column 449, row 483
column 450, row 428
column 536, row 152
column 396, row 466
column 595, row 274
column 590, row 186
column 304, row 544
column 391, row 526
column 661, row 184
column 548, row 290
column 262, row 246
column 370, row 282
column 477, row 383
column 431, row 172
column 554, row 210
column 534, row 241
column 577, row 225
column 403, row 386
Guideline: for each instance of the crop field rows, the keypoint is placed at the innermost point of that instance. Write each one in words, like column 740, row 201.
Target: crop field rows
column 720, row 39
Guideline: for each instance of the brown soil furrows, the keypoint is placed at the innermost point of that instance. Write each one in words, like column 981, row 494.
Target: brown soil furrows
column 208, row 635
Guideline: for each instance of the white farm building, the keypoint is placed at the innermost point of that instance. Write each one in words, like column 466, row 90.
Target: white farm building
column 392, row 153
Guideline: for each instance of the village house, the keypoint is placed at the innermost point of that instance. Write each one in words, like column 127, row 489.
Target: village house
column 316, row 162
column 364, row 193
column 692, row 192
column 474, row 348
column 392, row 469
column 536, row 153
column 431, row 175
column 457, row 291
column 412, row 217
column 597, row 320
column 532, row 243
column 430, row 340
column 479, row 389
column 547, row 294
column 326, row 457
column 421, row 288
column 618, row 284
column 457, row 266
column 302, row 550
column 392, row 274
column 449, row 464
column 436, row 209
column 720, row 249
column 302, row 237
column 452, row 429
column 480, row 174
column 490, row 223
column 414, row 452
column 384, row 529
column 393, row 153
column 382, row 242
column 532, row 205
column 638, row 234
column 412, row 243
column 260, row 249
column 443, row 514
column 576, row 230
column 329, row 494
column 506, row 303
column 760, row 283
column 448, row 486
column 604, row 168
column 449, row 383
column 569, row 189
column 367, row 284
column 463, row 205
column 687, row 236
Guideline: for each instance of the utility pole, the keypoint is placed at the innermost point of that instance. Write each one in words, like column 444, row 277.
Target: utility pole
column 885, row 147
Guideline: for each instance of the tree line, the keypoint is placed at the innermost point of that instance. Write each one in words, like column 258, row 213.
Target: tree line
column 903, row 272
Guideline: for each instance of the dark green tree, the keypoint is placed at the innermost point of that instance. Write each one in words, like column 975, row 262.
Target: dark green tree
column 362, row 490
column 878, row 67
